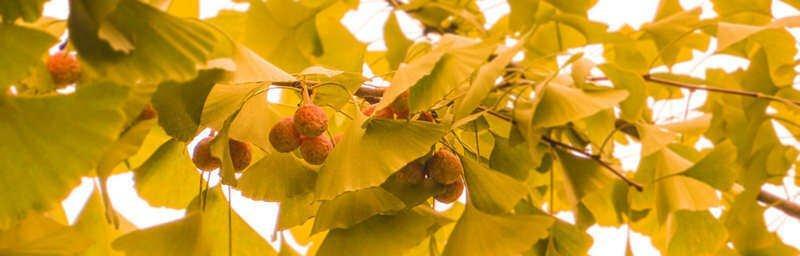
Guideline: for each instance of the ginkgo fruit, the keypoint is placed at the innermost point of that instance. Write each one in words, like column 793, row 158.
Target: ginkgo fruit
column 315, row 149
column 427, row 117
column 283, row 136
column 240, row 154
column 400, row 105
column 368, row 110
column 310, row 120
column 451, row 192
column 148, row 112
column 412, row 173
column 64, row 68
column 202, row 157
column 445, row 167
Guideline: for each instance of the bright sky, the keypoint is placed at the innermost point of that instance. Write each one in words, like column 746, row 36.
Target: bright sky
column 367, row 24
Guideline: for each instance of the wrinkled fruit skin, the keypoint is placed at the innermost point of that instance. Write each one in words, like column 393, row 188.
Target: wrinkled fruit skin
column 315, row 149
column 385, row 113
column 64, row 69
column 240, row 154
column 368, row 110
column 400, row 105
column 202, row 157
column 445, row 167
column 413, row 173
column 283, row 137
column 310, row 120
column 451, row 192
column 148, row 112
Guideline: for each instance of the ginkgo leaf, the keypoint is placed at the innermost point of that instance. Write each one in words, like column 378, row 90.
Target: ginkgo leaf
column 45, row 154
column 491, row 191
column 40, row 235
column 718, row 168
column 396, row 42
column 511, row 158
column 124, row 147
column 180, row 105
column 665, row 191
column 561, row 104
column 653, row 138
column 411, row 194
column 633, row 106
column 28, row 10
column 247, row 67
column 384, row 234
column 564, row 239
column 168, row 178
column 413, row 70
column 22, row 49
column 748, row 231
column 694, row 233
column 579, row 177
column 479, row 233
column 92, row 223
column 353, row 207
column 277, row 177
column 343, row 172
column 483, row 82
column 203, row 231
column 135, row 42
column 295, row 211
column 453, row 69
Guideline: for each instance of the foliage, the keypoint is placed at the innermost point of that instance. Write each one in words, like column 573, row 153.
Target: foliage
column 533, row 127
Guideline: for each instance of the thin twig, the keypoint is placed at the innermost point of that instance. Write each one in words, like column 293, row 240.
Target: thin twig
column 757, row 95
column 613, row 170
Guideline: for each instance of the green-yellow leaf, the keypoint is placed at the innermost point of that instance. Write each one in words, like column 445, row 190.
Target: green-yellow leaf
column 276, row 177
column 479, row 233
column 45, row 145
column 22, row 49
column 353, row 207
column 561, row 104
column 343, row 172
column 168, row 178
column 489, row 190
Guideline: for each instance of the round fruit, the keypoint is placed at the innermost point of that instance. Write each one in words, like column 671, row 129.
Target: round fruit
column 412, row 173
column 310, row 120
column 64, row 69
column 148, row 112
column 202, row 157
column 385, row 113
column 400, row 105
column 283, row 137
column 240, row 154
column 368, row 110
column 427, row 117
column 451, row 192
column 315, row 149
column 445, row 167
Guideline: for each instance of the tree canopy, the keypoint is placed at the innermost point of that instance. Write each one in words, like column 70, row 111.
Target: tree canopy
column 358, row 146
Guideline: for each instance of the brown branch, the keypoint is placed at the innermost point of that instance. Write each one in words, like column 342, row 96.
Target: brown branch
column 597, row 159
column 786, row 206
column 757, row 95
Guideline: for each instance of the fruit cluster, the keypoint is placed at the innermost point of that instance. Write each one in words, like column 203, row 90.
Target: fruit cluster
column 444, row 167
column 305, row 131
column 204, row 160
column 64, row 69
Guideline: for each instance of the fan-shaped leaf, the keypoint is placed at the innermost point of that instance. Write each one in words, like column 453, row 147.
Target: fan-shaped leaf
column 479, row 233
column 490, row 190
column 561, row 104
column 353, row 207
column 356, row 164
column 383, row 234
column 45, row 138
column 277, row 177
column 22, row 49
column 92, row 223
column 203, row 231
column 168, row 178
column 135, row 42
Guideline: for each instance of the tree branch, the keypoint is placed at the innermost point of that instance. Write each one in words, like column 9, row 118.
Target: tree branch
column 597, row 159
column 720, row 90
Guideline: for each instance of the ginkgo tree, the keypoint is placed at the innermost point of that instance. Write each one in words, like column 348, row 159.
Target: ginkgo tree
column 288, row 107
